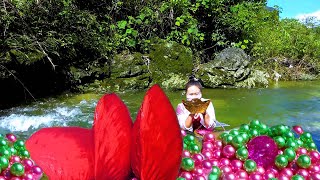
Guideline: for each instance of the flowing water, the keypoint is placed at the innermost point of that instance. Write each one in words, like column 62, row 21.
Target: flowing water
column 288, row 103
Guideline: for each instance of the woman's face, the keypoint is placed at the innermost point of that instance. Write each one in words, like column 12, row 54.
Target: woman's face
column 193, row 92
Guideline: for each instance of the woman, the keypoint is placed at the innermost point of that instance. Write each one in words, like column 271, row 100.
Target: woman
column 191, row 122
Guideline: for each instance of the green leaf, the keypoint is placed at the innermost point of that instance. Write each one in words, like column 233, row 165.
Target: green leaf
column 243, row 46
column 131, row 42
column 122, row 24
column 129, row 31
column 134, row 33
column 177, row 23
column 246, row 41
column 190, row 30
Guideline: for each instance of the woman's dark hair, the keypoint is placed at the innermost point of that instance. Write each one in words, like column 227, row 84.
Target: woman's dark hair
column 193, row 81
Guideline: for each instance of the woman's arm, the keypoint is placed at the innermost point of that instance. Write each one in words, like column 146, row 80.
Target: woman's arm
column 184, row 118
column 210, row 117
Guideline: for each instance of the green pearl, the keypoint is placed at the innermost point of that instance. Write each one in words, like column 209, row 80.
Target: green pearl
column 245, row 137
column 227, row 139
column 4, row 162
column 5, row 152
column 297, row 177
column 311, row 146
column 19, row 144
column 254, row 124
column 289, row 135
column 180, row 178
column 222, row 135
column 299, row 142
column 263, row 129
column 242, row 153
column 282, row 129
column 3, row 142
column 188, row 139
column 274, row 131
column 304, row 161
column 187, row 164
column 24, row 153
column 216, row 170
column 234, row 132
column 280, row 141
column 291, row 143
column 213, row 177
column 253, row 133
column 17, row 169
column 281, row 161
column 290, row 153
column 237, row 141
column 306, row 137
column 244, row 128
column 250, row 165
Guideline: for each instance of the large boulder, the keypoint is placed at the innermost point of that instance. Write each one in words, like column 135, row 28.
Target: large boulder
column 129, row 71
column 230, row 68
column 170, row 64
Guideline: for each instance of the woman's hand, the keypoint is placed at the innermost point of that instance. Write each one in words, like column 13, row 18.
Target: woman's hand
column 198, row 116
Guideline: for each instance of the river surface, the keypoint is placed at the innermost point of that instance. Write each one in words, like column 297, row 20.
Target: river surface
column 288, row 103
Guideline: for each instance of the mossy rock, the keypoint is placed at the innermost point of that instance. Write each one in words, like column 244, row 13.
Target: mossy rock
column 175, row 82
column 131, row 83
column 170, row 61
column 231, row 59
column 127, row 65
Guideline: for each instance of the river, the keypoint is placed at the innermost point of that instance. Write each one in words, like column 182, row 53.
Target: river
column 288, row 103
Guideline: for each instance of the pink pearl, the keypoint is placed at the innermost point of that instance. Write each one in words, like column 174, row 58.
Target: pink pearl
column 197, row 171
column 216, row 154
column 207, row 146
column 209, row 137
column 207, row 155
column 229, row 176
column 228, row 151
column 269, row 174
column 214, row 162
column 255, row 176
column 218, row 144
column 11, row 137
column 186, row 175
column 242, row 174
column 315, row 176
column 183, row 133
column 37, row 170
column 286, row 172
column 260, row 170
column 14, row 159
column 273, row 171
column 301, row 151
column 314, row 169
column 303, row 172
column 224, row 162
column 206, row 164
column 27, row 176
column 186, row 153
column 198, row 158
column 236, row 164
column 315, row 156
column 283, row 178
column 2, row 178
column 199, row 177
column 15, row 178
column 298, row 129
column 226, row 169
column 27, row 163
